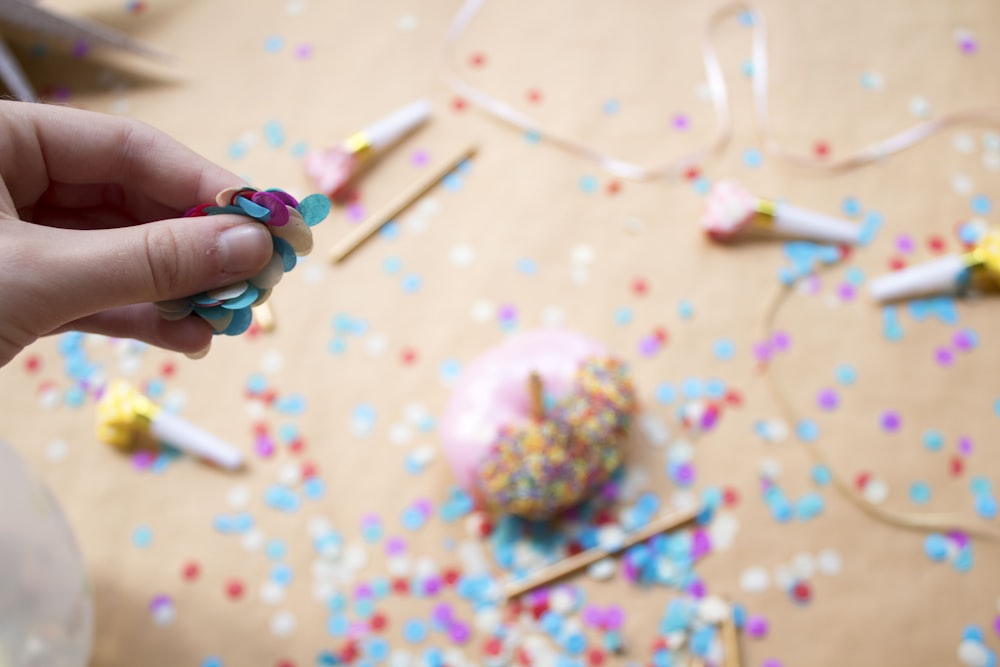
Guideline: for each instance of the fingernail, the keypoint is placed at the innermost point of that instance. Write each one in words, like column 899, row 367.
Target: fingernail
column 244, row 248
column 200, row 354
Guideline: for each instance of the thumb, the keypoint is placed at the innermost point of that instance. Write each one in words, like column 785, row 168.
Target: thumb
column 168, row 259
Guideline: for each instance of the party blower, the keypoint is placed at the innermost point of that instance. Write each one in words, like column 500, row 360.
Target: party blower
column 333, row 168
column 945, row 275
column 126, row 419
column 733, row 211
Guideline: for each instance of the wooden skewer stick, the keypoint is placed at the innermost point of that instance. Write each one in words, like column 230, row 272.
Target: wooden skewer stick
column 730, row 642
column 537, row 392
column 264, row 316
column 550, row 573
column 397, row 205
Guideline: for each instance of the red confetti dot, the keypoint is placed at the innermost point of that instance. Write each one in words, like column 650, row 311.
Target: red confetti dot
column 845, row 251
column 349, row 652
column 534, row 96
column 595, row 656
column 33, row 363
column 190, row 571
column 408, row 356
column 379, row 622
column 451, row 576
column 861, row 481
column 260, row 428
column 168, row 369
column 691, row 173
column 614, row 187
column 659, row 644
column 821, row 149
column 297, row 445
column 802, row 592
column 477, row 59
column 639, row 286
column 661, row 336
column 731, row 497
column 956, row 466
column 485, row 528
column 734, row 398
column 573, row 548
column 458, row 104
column 234, row 589
column 285, row 663
column 897, row 263
column 523, row 657
column 538, row 610
column 493, row 646
column 401, row 586
column 936, row 243
column 308, row 470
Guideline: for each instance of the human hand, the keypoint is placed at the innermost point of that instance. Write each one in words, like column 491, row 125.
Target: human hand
column 91, row 234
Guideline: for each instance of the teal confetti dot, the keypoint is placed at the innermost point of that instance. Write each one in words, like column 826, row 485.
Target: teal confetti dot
column 701, row 185
column 412, row 283
column 933, row 440
column 753, row 158
column 75, row 397
column 936, row 547
column 920, row 493
column 588, row 184
column 963, row 561
column 275, row 549
column 299, row 149
column 746, row 67
column 980, row 485
column 532, row 136
column 809, row 506
column 337, row 346
column 624, row 316
column 685, row 310
column 854, row 276
column 412, row 519
column 851, row 207
column 846, row 375
column 892, row 329
column 314, row 209
column 981, row 205
column 724, row 349
column 142, row 537
column 338, row 625
column 807, row 430
column 293, row 404
column 870, row 227
column 237, row 150
column 996, row 407
column 392, row 265
column 821, row 475
column 449, row 370
column 274, row 134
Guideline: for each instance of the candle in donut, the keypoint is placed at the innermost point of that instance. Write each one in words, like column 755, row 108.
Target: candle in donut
column 538, row 423
column 732, row 211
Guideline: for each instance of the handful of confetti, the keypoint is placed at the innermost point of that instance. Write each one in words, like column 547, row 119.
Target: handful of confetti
column 522, row 451
column 732, row 210
column 333, row 168
column 228, row 309
column 951, row 273
column 126, row 420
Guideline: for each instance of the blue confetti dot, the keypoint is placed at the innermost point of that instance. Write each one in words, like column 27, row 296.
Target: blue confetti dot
column 746, row 19
column 142, row 537
column 588, row 184
column 275, row 549
column 299, row 149
column 936, row 547
column 390, row 231
column 293, row 404
column 986, row 506
column 338, row 625
column 314, row 488
column 273, row 44
column 854, row 276
column 392, row 265
column 274, row 134
column 337, row 346
column 963, row 561
column 821, row 475
column 981, row 205
column 623, row 316
column 75, row 397
column 364, row 608
column 920, row 493
column 715, row 388
column 692, row 388
column 527, row 266
column 449, row 370
column 724, row 349
column 532, row 136
column 685, row 309
column 702, row 185
column 415, row 631
column 846, row 375
column 665, row 393
column 281, row 574
column 809, row 506
column 807, row 430
column 996, row 407
column 453, row 182
column 377, row 649
column 933, row 440
column 211, row 661
column 412, row 283
column 412, row 518
column 980, row 485
column 336, row 602
column 851, row 207
column 611, row 106
column 575, row 644
column 288, row 432
column 972, row 633
column 746, row 67
column 752, row 158
column 237, row 150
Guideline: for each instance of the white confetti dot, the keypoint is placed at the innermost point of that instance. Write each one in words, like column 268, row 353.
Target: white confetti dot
column 580, row 275
column 713, row 610
column 164, row 614
column 407, row 23
column 400, row 658
column 991, row 161
column 634, row 225
column 376, row 344
column 581, row 255
column 129, row 366
column 314, row 274
column 355, row 557
column 462, row 255
column 562, row 600
column 920, row 107
column 272, row 592
column 416, row 223
column 553, row 316
column 295, row 7
column 238, row 497
column 964, row 143
column 770, row 469
column 400, row 434
column 680, row 452
column 876, row 491
column 290, row 474
column 973, row 653
column 722, row 531
column 991, row 141
column 272, row 362
column 654, row 428
column 50, row 399
column 283, row 623
column 428, row 206
column 610, row 537
column 56, row 451
column 961, row 184
column 754, row 580
column 253, row 540
column 318, row 526
column 784, row 578
column 483, row 311
column 603, row 569
column 399, row 565
column 828, row 562
column 488, row 619
column 804, row 565
column 423, row 455
column 120, row 106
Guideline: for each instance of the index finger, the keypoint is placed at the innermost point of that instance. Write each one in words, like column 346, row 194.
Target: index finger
column 82, row 147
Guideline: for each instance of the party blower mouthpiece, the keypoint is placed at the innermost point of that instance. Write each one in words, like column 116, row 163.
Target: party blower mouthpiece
column 333, row 168
column 948, row 274
column 732, row 210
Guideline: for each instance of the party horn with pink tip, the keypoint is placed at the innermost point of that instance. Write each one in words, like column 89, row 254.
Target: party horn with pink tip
column 333, row 168
column 944, row 275
column 732, row 210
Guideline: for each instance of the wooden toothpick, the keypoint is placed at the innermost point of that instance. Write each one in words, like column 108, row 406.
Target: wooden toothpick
column 397, row 205
column 730, row 641
column 558, row 570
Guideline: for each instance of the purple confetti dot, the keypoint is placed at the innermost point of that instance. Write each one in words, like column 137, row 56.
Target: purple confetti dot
column 420, row 158
column 963, row 340
column 264, row 446
column 649, row 346
column 684, row 474
column 442, row 613
column 356, row 212
column 614, row 617
column 996, row 625
column 507, row 312
column 81, row 49
column 771, row 662
column 697, row 589
column 958, row 538
column 846, row 292
column 828, row 399
column 593, row 617
column 395, row 546
column 944, row 357
column 459, row 633
column 424, row 506
column 303, row 51
column 762, row 351
column 143, row 459
column 159, row 601
column 363, row 591
column 904, row 244
column 891, row 421
column 681, row 122
column 432, row 586
column 756, row 626
column 701, row 544
column 968, row 46
column 964, row 445
column 781, row 341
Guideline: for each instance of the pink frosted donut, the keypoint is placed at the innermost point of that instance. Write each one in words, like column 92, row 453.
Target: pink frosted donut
column 513, row 462
column 729, row 209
